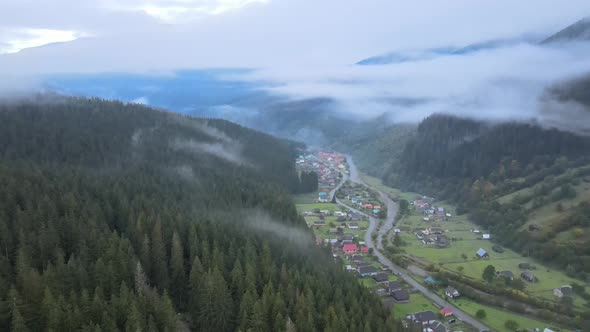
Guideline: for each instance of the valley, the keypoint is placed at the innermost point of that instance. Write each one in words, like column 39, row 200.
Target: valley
column 425, row 260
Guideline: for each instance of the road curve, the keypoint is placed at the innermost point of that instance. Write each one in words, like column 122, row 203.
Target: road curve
column 389, row 223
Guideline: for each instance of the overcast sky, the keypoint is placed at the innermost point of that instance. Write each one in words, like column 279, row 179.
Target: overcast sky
column 167, row 34
column 306, row 45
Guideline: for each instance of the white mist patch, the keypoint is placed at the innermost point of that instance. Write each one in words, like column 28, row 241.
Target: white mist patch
column 261, row 221
column 231, row 152
column 503, row 84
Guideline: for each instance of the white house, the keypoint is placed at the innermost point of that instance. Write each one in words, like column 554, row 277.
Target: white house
column 452, row 292
column 486, row 236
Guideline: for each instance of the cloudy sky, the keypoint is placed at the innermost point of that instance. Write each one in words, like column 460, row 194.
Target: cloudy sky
column 307, row 46
column 161, row 34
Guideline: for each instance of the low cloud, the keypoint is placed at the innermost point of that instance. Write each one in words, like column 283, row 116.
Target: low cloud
column 261, row 221
column 500, row 84
column 225, row 151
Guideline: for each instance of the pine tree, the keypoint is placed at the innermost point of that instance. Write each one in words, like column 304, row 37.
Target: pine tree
column 178, row 274
column 17, row 322
column 158, row 258
column 195, row 287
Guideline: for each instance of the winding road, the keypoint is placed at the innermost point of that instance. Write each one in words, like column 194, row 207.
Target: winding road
column 387, row 226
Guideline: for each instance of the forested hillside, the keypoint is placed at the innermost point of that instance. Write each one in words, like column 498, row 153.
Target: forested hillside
column 116, row 217
column 527, row 184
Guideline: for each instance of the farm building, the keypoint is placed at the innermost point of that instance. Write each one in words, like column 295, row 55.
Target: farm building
column 528, row 276
column 481, row 253
column 564, row 291
column 506, row 275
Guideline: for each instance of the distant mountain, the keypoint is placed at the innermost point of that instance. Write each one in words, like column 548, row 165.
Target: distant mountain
column 400, row 57
column 579, row 31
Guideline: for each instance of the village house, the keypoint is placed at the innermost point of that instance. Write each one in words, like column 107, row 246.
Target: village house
column 354, row 216
column 362, row 263
column 319, row 223
column 345, row 242
column 367, row 271
column 481, row 253
column 421, row 317
column 563, row 291
column 430, row 281
column 400, row 295
column 421, row 205
column 486, row 236
column 528, row 276
column 353, row 225
column 435, row 326
column 452, row 293
column 356, row 258
column 393, row 286
column 364, row 250
column 347, row 237
column 426, row 322
column 447, row 311
column 350, row 249
column 381, row 277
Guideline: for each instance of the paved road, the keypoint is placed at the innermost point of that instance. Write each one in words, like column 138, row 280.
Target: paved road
column 333, row 191
column 389, row 223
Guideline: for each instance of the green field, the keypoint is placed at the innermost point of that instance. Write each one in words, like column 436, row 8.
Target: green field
column 322, row 206
column 309, row 198
column 394, row 193
column 417, row 303
column 468, row 243
column 495, row 318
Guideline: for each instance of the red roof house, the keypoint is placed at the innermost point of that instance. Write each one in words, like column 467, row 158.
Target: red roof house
column 368, row 206
column 446, row 311
column 350, row 248
column 364, row 249
column 377, row 207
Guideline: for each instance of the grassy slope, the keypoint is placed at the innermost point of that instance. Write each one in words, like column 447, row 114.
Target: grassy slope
column 467, row 243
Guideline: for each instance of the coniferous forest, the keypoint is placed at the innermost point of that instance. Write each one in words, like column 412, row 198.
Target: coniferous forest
column 117, row 217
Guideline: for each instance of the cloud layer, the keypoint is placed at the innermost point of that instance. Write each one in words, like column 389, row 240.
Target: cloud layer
column 505, row 83
column 305, row 48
